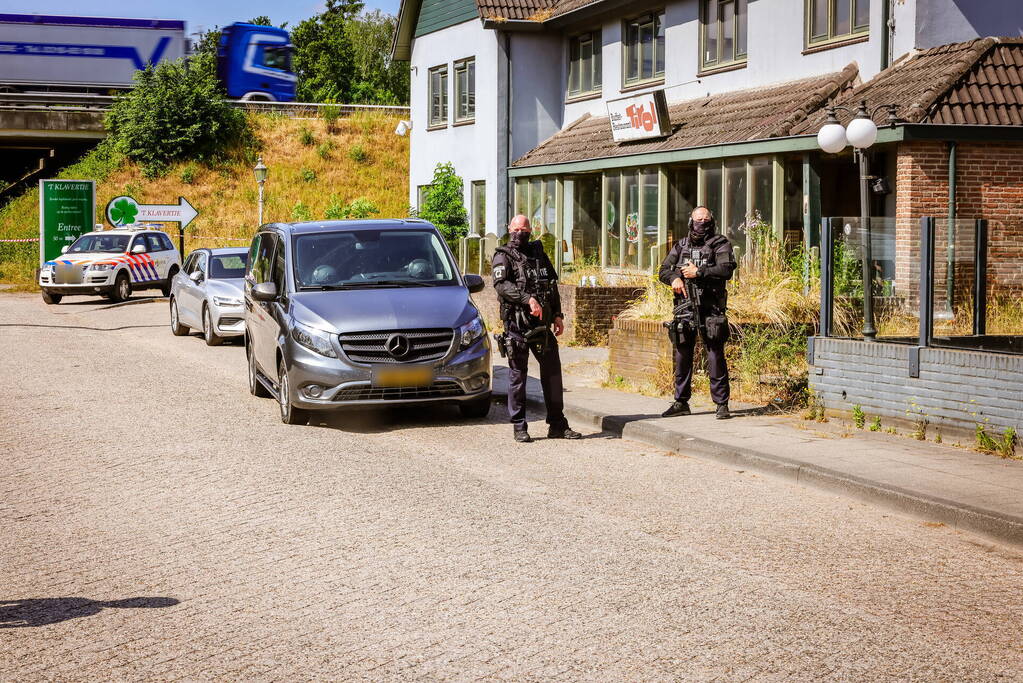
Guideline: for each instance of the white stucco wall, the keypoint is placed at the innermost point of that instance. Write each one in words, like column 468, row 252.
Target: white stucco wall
column 471, row 148
column 538, row 91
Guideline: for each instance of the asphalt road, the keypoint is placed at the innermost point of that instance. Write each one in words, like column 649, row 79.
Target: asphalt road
column 160, row 523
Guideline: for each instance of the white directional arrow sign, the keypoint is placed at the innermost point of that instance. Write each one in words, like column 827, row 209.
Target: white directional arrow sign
column 126, row 211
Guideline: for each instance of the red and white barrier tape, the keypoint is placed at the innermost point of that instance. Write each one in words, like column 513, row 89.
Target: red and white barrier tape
column 30, row 239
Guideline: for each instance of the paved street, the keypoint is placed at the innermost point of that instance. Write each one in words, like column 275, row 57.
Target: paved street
column 161, row 523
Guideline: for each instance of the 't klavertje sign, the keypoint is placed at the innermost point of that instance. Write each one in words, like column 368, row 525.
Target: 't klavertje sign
column 67, row 210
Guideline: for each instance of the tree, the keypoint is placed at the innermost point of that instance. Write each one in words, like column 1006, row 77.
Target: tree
column 174, row 112
column 444, row 204
column 377, row 79
column 323, row 57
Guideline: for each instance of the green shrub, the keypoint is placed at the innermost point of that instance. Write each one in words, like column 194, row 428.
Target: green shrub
column 175, row 112
column 875, row 424
column 444, row 204
column 358, row 154
column 308, row 175
column 300, row 212
column 305, row 136
column 859, row 417
column 325, row 149
column 189, row 172
column 1003, row 446
column 359, row 208
column 331, row 114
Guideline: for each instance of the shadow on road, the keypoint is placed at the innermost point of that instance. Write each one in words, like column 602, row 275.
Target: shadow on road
column 45, row 611
column 385, row 419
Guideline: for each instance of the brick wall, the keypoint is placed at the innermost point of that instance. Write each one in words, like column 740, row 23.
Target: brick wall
column 638, row 349
column 989, row 185
column 953, row 385
column 589, row 311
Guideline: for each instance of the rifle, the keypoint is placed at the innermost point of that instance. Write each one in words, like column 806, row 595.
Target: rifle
column 687, row 317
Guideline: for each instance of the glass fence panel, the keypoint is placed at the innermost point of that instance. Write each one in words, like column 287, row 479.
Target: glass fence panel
column 953, row 277
column 472, row 255
column 1003, row 288
column 896, row 268
column 847, row 278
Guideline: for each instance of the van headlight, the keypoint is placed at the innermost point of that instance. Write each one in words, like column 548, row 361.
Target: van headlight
column 470, row 332
column 316, row 341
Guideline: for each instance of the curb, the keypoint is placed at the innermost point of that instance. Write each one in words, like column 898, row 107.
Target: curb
column 1000, row 527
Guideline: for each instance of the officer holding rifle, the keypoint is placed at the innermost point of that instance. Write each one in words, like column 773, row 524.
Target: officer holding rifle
column 527, row 288
column 696, row 269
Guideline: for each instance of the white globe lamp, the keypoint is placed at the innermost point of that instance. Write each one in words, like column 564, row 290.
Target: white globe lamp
column 832, row 138
column 862, row 132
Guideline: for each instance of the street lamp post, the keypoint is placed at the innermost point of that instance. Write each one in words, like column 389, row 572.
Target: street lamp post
column 260, row 171
column 861, row 134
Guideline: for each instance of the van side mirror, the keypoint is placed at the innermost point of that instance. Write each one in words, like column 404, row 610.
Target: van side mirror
column 474, row 282
column 64, row 249
column 195, row 276
column 138, row 249
column 264, row 291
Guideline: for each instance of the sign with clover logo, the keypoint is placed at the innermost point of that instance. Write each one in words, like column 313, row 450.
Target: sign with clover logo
column 122, row 210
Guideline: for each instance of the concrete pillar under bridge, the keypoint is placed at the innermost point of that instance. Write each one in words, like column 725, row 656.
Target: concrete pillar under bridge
column 36, row 144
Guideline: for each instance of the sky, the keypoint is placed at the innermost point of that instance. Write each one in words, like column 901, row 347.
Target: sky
column 199, row 15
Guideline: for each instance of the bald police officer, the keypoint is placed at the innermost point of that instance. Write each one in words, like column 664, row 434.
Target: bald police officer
column 527, row 288
column 706, row 259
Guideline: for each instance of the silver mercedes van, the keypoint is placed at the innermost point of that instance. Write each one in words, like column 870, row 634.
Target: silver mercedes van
column 362, row 313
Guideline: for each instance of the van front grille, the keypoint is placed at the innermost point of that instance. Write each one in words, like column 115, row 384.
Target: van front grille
column 421, row 345
column 443, row 389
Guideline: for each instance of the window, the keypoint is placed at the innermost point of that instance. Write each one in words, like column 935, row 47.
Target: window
column 724, row 33
column 829, row 20
column 189, row 264
column 261, row 264
column 140, row 239
column 465, row 90
column 153, row 242
column 479, row 207
column 359, row 258
column 200, row 263
column 421, row 193
column 439, row 96
column 584, row 64
column 253, row 250
column 165, row 241
column 278, row 272
column 644, row 48
column 277, row 57
column 227, row 266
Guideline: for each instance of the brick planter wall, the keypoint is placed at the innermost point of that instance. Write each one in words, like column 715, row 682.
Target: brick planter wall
column 589, row 311
column 638, row 349
column 876, row 377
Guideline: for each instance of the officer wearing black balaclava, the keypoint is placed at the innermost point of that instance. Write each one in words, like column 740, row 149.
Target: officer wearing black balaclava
column 527, row 287
column 706, row 259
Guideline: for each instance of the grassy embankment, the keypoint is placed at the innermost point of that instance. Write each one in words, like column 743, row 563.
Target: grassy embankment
column 313, row 166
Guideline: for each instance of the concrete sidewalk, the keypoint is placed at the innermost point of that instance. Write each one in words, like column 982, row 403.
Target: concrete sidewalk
column 964, row 489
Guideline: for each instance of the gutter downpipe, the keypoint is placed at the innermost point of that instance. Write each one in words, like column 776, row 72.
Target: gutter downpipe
column 886, row 34
column 950, row 265
column 505, row 187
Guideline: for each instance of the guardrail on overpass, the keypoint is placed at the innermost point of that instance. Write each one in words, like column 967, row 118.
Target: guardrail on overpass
column 79, row 102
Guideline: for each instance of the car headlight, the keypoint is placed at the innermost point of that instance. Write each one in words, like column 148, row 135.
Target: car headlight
column 101, row 266
column 226, row 300
column 316, row 341
column 470, row 332
column 50, row 268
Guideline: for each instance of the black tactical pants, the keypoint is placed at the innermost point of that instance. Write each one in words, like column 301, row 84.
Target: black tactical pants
column 717, row 369
column 550, row 381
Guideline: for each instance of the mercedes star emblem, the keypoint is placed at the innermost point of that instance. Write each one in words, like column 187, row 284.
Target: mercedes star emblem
column 398, row 345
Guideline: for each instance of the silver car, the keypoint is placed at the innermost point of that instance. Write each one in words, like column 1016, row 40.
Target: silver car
column 362, row 313
column 207, row 295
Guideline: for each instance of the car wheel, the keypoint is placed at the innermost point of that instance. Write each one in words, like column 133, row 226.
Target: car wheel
column 166, row 288
column 122, row 288
column 290, row 415
column 476, row 408
column 256, row 387
column 177, row 329
column 51, row 298
column 207, row 328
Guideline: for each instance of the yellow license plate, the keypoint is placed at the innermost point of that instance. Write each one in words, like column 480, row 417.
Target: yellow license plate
column 414, row 376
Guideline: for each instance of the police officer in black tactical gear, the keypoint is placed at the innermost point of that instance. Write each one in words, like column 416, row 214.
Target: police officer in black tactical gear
column 527, row 288
column 697, row 268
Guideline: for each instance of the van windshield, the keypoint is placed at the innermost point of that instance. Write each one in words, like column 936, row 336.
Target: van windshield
column 371, row 258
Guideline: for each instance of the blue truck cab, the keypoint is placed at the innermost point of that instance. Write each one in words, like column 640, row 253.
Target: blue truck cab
column 254, row 63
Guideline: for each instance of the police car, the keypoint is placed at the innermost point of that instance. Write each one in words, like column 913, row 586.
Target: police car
column 114, row 263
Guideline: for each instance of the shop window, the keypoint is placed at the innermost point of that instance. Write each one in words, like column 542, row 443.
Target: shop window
column 630, row 226
column 533, row 204
column 644, row 48
column 836, row 20
column 762, row 181
column 681, row 201
column 438, row 96
column 649, row 234
column 521, row 197
column 724, row 33
column 582, row 219
column 584, row 69
column 478, row 201
column 710, row 177
column 734, row 219
column 465, row 90
column 612, row 196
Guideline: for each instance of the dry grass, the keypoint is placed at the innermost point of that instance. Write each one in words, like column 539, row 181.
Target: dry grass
column 226, row 195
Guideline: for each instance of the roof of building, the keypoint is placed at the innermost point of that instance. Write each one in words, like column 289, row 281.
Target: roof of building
column 979, row 82
column 529, row 10
column 737, row 116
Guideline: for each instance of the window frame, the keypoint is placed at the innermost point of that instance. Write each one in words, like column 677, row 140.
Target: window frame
column 442, row 120
column 465, row 64
column 477, row 213
column 738, row 59
column 657, row 17
column 855, row 34
column 595, row 37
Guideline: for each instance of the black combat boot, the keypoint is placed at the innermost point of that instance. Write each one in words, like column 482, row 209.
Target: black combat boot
column 565, row 432
column 522, row 436
column 722, row 412
column 677, row 408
